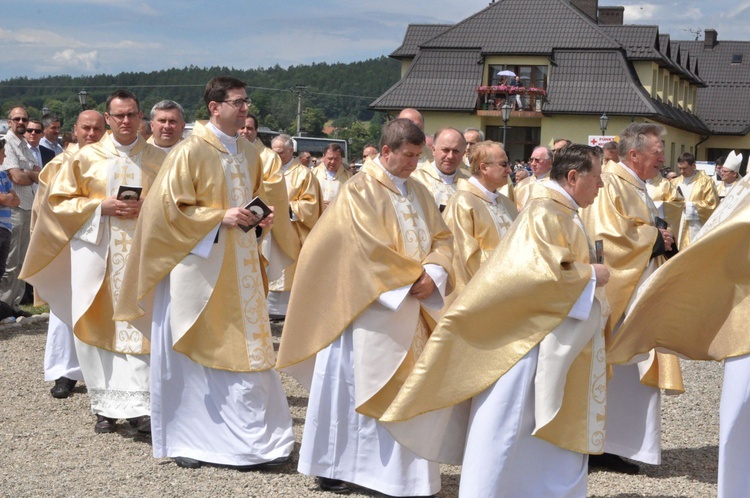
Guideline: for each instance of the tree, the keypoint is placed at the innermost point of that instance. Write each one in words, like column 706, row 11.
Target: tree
column 313, row 120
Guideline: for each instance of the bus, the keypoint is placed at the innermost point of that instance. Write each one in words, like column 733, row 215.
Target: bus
column 313, row 145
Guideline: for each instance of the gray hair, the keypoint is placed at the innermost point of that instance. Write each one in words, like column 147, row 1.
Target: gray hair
column 285, row 140
column 167, row 105
column 546, row 150
column 48, row 119
column 634, row 137
column 481, row 133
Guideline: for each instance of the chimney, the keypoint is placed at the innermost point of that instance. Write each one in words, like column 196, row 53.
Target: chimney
column 588, row 7
column 711, row 38
column 612, row 15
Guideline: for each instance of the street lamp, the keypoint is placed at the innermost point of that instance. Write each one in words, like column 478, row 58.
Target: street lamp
column 45, row 110
column 603, row 121
column 505, row 111
column 83, row 97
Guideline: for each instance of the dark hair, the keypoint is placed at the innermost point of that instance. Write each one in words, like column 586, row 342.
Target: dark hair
column 2, row 143
column 400, row 131
column 612, row 145
column 216, row 89
column 35, row 121
column 254, row 118
column 576, row 157
column 686, row 157
column 122, row 95
column 333, row 148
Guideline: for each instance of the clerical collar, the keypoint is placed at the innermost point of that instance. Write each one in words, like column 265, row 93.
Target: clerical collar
column 330, row 174
column 399, row 182
column 542, row 177
column 229, row 142
column 632, row 173
column 553, row 185
column 447, row 179
column 124, row 150
column 492, row 196
column 286, row 166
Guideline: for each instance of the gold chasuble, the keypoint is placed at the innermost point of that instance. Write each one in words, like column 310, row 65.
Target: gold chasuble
column 477, row 225
column 668, row 201
column 707, row 291
column 523, row 189
column 377, row 240
column 427, row 175
column 519, row 299
column 274, row 185
column 218, row 314
column 704, row 201
column 622, row 216
column 330, row 186
column 305, row 208
column 70, row 225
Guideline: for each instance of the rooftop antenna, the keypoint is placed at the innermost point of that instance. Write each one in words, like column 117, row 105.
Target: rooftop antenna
column 696, row 32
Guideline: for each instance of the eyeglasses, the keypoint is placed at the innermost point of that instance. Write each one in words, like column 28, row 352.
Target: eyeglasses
column 120, row 117
column 34, row 130
column 503, row 164
column 18, row 119
column 237, row 103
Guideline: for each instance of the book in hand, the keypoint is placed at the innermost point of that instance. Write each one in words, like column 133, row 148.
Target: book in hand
column 129, row 193
column 599, row 248
column 259, row 210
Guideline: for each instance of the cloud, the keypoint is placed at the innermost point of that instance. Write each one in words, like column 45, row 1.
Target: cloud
column 84, row 61
column 640, row 13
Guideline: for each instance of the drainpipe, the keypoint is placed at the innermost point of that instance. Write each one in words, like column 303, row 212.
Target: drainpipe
column 703, row 139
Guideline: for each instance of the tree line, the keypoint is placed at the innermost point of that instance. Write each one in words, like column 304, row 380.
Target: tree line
column 338, row 93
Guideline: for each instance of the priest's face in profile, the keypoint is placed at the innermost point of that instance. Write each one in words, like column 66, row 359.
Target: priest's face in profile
column 586, row 186
column 403, row 161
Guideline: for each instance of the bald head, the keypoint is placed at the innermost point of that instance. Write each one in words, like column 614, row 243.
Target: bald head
column 414, row 116
column 89, row 127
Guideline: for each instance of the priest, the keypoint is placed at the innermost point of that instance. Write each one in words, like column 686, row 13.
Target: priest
column 479, row 215
column 199, row 289
column 524, row 344
column 352, row 335
column 331, row 173
column 81, row 241
column 441, row 175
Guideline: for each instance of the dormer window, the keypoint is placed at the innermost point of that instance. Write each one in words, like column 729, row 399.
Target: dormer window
column 736, row 58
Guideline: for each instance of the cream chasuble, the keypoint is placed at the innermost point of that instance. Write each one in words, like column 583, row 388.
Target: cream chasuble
column 711, row 324
column 427, row 174
column 701, row 200
column 70, row 224
column 722, row 188
column 523, row 189
column 330, row 185
column 622, row 216
column 383, row 239
column 539, row 270
column 281, row 247
column 667, row 200
column 477, row 225
column 219, row 317
column 305, row 208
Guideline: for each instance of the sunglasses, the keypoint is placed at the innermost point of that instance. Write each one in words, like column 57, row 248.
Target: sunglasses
column 20, row 120
column 33, row 130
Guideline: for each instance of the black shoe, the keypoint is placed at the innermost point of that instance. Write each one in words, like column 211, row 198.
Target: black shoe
column 141, row 424
column 104, row 425
column 21, row 313
column 187, row 463
column 614, row 463
column 272, row 465
column 334, row 486
column 62, row 388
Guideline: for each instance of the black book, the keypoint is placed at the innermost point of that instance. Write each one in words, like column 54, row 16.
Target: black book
column 129, row 193
column 259, row 210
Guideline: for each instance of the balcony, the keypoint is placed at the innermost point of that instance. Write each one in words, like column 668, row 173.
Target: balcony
column 526, row 102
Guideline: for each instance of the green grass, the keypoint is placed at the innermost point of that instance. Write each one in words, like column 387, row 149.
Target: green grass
column 35, row 310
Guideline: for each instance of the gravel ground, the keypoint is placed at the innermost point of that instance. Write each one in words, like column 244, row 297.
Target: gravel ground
column 48, row 446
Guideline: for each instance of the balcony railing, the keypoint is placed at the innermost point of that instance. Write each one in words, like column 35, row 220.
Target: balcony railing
column 492, row 98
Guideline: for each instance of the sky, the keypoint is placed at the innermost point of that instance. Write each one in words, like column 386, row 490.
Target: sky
column 86, row 37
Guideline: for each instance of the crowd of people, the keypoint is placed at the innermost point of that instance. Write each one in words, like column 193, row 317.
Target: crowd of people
column 438, row 305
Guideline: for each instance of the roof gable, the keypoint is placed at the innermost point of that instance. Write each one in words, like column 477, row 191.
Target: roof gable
column 561, row 26
column 416, row 34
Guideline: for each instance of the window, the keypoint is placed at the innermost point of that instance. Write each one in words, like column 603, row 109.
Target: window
column 531, row 76
column 736, row 58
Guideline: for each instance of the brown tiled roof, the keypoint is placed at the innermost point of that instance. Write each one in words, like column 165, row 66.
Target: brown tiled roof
column 437, row 80
column 725, row 104
column 524, row 27
column 588, row 82
column 416, row 34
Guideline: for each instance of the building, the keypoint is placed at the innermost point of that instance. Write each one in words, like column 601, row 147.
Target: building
column 577, row 61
